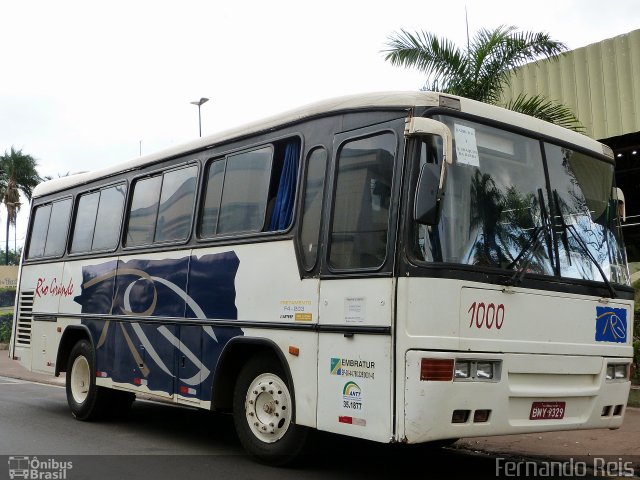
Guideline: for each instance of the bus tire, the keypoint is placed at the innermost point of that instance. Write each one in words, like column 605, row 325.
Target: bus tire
column 263, row 413
column 86, row 400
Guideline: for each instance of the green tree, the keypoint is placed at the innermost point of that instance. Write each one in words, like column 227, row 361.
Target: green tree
column 18, row 175
column 14, row 256
column 483, row 70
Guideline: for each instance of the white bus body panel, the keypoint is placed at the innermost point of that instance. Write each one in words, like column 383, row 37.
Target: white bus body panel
column 268, row 289
column 546, row 354
column 355, row 370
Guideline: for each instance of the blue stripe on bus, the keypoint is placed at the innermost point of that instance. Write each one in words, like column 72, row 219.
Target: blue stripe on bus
column 170, row 358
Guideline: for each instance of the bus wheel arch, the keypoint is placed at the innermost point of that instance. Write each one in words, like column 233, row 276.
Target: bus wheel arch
column 72, row 335
column 235, row 354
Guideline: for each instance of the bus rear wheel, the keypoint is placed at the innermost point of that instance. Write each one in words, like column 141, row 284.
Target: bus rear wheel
column 86, row 400
column 263, row 413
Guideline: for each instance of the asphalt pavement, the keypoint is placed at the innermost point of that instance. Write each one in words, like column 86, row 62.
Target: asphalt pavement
column 565, row 444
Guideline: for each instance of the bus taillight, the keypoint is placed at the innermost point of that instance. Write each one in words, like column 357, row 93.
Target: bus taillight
column 436, row 369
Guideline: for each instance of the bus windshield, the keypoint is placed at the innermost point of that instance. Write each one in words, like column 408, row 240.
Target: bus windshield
column 500, row 211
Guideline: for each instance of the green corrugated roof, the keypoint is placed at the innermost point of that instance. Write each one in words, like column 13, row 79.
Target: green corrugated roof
column 599, row 82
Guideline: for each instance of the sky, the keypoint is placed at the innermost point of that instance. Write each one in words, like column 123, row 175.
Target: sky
column 88, row 84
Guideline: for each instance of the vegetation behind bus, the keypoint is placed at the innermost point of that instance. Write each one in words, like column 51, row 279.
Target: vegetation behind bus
column 7, row 300
column 6, row 320
column 482, row 70
column 18, row 176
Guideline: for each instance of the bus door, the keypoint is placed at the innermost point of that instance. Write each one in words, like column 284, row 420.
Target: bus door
column 357, row 289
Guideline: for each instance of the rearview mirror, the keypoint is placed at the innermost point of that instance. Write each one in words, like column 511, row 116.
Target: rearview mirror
column 430, row 187
column 427, row 208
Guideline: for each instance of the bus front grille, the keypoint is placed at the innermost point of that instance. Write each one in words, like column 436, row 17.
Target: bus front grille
column 25, row 317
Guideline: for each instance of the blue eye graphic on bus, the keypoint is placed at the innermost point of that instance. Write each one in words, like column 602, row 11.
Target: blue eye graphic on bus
column 611, row 324
column 166, row 347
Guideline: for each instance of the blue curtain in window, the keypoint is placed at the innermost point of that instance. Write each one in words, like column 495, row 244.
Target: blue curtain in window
column 283, row 207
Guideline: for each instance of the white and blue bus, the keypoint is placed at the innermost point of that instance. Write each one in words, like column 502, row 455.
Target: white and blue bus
column 399, row 267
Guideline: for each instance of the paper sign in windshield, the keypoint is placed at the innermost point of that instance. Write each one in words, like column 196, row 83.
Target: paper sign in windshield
column 466, row 145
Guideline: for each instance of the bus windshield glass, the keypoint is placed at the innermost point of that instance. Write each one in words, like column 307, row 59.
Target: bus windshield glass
column 500, row 211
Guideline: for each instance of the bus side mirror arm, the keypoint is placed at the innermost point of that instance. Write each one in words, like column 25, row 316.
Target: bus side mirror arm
column 619, row 196
column 427, row 205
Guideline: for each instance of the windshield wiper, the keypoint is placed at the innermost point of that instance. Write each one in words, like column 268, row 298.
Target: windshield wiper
column 532, row 245
column 585, row 249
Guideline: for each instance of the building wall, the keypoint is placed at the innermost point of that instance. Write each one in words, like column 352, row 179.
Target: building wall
column 599, row 82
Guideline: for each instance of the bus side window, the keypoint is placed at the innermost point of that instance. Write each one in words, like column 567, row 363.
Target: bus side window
column 176, row 205
column 50, row 228
column 284, row 179
column 109, row 218
column 244, row 195
column 85, row 222
column 98, row 219
column 312, row 207
column 162, row 207
column 251, row 191
column 212, row 197
column 39, row 231
column 144, row 210
column 361, row 205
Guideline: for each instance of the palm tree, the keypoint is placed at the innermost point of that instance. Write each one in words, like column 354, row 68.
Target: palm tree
column 18, row 175
column 484, row 69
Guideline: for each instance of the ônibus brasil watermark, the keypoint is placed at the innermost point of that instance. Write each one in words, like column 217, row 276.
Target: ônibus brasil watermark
column 35, row 468
column 571, row 468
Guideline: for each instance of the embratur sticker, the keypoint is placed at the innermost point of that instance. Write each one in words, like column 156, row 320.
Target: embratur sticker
column 611, row 324
column 336, row 366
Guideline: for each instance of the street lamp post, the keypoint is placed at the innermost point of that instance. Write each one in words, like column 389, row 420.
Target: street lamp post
column 199, row 104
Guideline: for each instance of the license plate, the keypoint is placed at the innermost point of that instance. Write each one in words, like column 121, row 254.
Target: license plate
column 547, row 411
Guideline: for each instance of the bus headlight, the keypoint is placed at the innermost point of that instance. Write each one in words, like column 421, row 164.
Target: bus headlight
column 484, row 370
column 617, row 371
column 611, row 372
column 463, row 369
column 477, row 370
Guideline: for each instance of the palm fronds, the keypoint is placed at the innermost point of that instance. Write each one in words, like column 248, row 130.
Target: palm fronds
column 483, row 70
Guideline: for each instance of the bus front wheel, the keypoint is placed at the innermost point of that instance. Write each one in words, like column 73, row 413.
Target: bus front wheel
column 86, row 400
column 263, row 413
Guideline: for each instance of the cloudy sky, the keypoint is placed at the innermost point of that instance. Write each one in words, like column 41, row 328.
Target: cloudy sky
column 86, row 84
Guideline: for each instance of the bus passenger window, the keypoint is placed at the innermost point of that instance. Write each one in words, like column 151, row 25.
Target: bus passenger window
column 244, row 196
column 176, row 205
column 284, row 179
column 39, row 231
column 109, row 218
column 312, row 208
column 213, row 194
column 251, row 191
column 58, row 228
column 98, row 219
column 49, row 230
column 361, row 206
column 162, row 207
column 144, row 209
column 85, row 222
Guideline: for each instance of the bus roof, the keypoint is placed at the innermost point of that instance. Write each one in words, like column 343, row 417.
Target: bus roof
column 367, row 101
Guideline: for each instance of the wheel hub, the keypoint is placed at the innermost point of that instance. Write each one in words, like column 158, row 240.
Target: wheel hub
column 80, row 379
column 268, row 408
